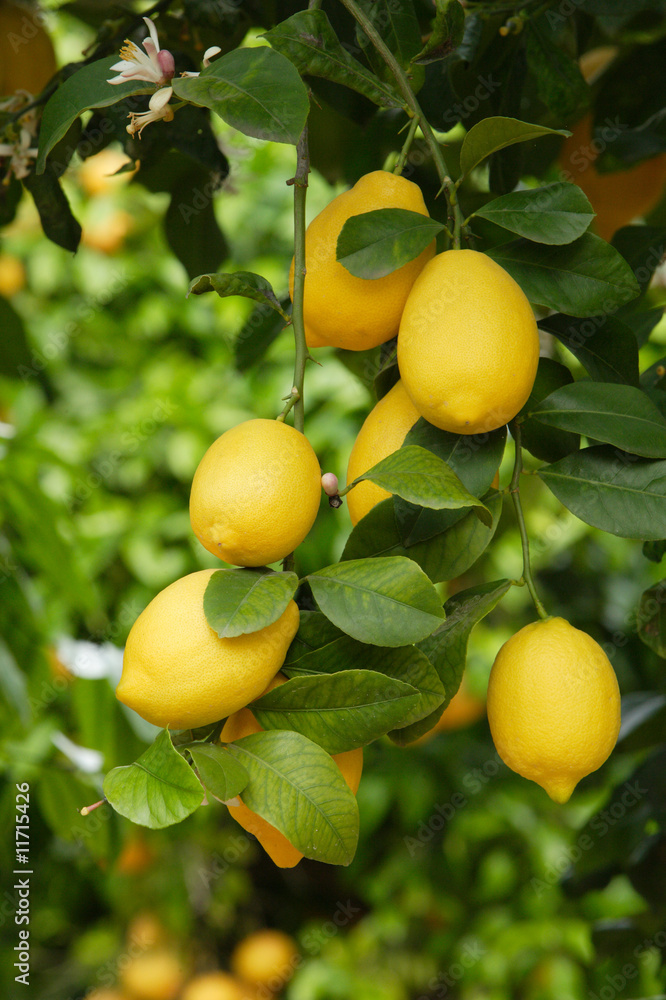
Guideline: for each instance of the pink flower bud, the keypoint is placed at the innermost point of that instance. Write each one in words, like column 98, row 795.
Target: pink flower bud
column 166, row 63
column 329, row 484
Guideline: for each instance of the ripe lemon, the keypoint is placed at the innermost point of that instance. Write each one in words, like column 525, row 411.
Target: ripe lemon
column 153, row 975
column 617, row 198
column 256, row 493
column 468, row 345
column 27, row 59
column 340, row 309
column 279, row 849
column 214, row 986
column 553, row 705
column 382, row 433
column 177, row 672
column 266, row 958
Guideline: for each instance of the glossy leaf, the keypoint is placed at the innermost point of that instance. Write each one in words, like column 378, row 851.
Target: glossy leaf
column 220, row 772
column 255, row 90
column 299, row 789
column 339, row 711
column 584, row 278
column 605, row 347
column 309, row 41
column 615, row 414
column 376, row 243
column 556, row 214
column 159, row 789
column 237, row 601
column 619, row 493
column 491, row 134
column 384, row 602
column 55, row 214
column 557, row 77
column 422, row 478
column 87, row 88
column 446, row 32
column 397, row 24
column 547, row 443
column 245, row 283
column 643, row 248
column 652, row 618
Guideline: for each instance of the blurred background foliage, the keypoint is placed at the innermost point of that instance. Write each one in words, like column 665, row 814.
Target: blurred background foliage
column 468, row 882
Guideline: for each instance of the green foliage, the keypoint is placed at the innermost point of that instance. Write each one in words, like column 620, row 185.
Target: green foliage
column 238, row 601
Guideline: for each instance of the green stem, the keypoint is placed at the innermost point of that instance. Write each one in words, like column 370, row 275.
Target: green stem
column 404, row 152
column 514, row 490
column 300, row 183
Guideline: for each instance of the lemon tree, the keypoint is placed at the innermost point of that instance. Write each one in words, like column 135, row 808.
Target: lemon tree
column 502, row 323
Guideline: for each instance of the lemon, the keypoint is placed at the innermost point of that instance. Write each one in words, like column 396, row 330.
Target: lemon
column 153, row 975
column 279, row 849
column 256, row 493
column 177, row 672
column 553, row 705
column 214, row 986
column 27, row 59
column 382, row 433
column 340, row 309
column 266, row 958
column 12, row 275
column 468, row 345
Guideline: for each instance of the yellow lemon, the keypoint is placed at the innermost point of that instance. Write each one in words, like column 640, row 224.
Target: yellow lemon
column 27, row 59
column 266, row 958
column 12, row 275
column 256, row 493
column 468, row 345
column 145, row 931
column 382, row 433
column 340, row 309
column 279, row 849
column 177, row 672
column 153, row 975
column 553, row 705
column 214, row 986
column 99, row 175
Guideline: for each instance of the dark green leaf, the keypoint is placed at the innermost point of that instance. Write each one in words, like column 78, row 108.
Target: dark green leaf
column 585, row 278
column 376, row 243
column 245, row 283
column 15, row 352
column 397, row 25
column 339, row 711
column 309, row 41
column 615, row 414
column 193, row 234
column 314, row 631
column 256, row 91
column 446, row 32
column 158, row 790
column 220, row 772
column 643, row 248
column 652, row 618
column 55, row 215
column 87, row 88
column 299, row 789
column 548, row 444
column 619, row 493
column 643, row 720
column 237, row 601
column 422, row 478
column 494, row 133
column 555, row 214
column 559, row 81
column 655, row 551
column 263, row 326
column 384, row 602
column 604, row 346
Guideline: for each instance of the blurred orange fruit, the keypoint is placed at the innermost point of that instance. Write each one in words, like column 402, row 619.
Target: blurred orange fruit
column 214, row 986
column 146, row 931
column 266, row 958
column 109, row 235
column 12, row 275
column 135, row 857
column 158, row 974
column 27, row 59
column 98, row 174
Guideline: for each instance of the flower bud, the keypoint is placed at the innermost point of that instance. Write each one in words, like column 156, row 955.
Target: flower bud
column 329, row 484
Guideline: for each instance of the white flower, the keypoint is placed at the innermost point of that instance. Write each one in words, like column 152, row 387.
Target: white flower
column 159, row 109
column 19, row 150
column 208, row 55
column 155, row 65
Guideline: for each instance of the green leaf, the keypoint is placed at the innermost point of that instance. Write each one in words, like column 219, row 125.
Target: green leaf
column 559, row 81
column 619, row 493
column 419, row 476
column 220, row 772
column 55, row 215
column 604, row 346
column 442, row 557
column 651, row 618
column 643, row 720
column 585, row 278
column 157, row 790
column 655, row 550
column 376, row 243
column 643, row 248
column 256, row 91
column 491, row 134
column 339, row 711
column 237, row 601
column 615, row 414
column 314, row 630
column 15, row 352
column 446, row 648
column 555, row 214
column 384, row 602
column 548, row 444
column 299, row 789
column 194, row 235
column 397, row 24
column 446, row 32
column 262, row 327
column 87, row 88
column 245, row 283
column 309, row 41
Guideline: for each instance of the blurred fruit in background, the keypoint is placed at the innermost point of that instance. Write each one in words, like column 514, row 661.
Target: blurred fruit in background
column 136, row 855
column 98, row 174
column 27, row 59
column 108, row 235
column 215, row 986
column 156, row 974
column 12, row 275
column 266, row 958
